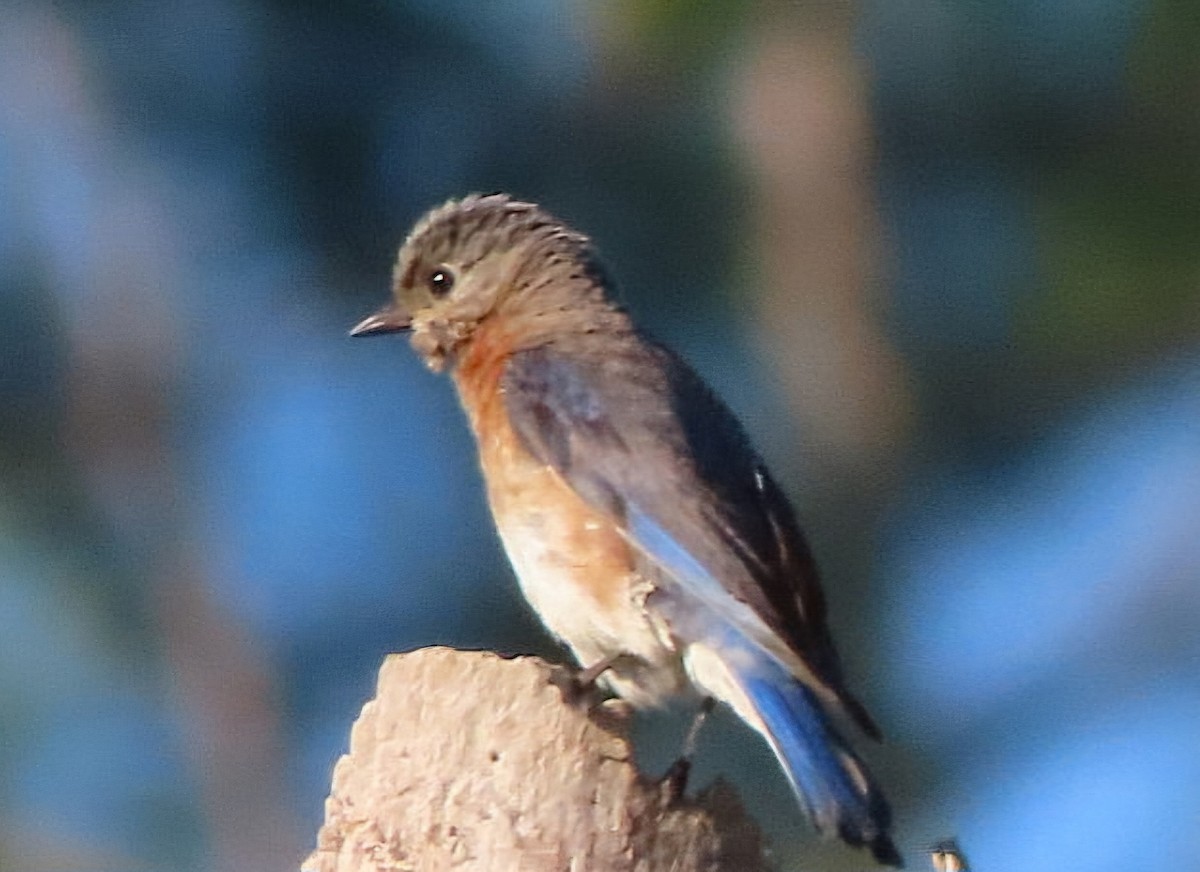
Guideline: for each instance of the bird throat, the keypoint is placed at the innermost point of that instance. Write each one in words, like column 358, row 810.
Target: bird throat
column 438, row 340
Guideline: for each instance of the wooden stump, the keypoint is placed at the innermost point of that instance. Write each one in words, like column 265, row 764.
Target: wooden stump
column 469, row 761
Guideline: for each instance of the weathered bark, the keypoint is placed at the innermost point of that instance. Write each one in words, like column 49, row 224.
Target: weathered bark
column 469, row 761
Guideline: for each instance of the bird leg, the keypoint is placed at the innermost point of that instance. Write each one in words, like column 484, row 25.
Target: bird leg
column 675, row 779
column 577, row 685
column 587, row 677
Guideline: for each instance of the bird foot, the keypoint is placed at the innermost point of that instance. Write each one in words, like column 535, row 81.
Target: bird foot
column 675, row 779
column 578, row 686
column 674, row 782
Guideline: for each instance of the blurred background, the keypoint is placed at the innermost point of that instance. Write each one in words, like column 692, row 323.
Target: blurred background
column 942, row 257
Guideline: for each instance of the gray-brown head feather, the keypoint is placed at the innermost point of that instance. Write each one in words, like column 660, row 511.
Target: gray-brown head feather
column 505, row 256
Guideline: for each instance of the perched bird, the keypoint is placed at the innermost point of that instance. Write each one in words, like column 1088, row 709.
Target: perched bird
column 643, row 528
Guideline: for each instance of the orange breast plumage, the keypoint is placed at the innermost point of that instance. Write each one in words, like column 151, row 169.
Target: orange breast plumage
column 573, row 564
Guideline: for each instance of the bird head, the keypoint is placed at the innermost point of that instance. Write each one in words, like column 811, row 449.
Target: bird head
column 473, row 259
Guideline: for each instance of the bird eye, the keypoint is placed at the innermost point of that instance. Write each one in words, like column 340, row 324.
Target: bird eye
column 440, row 281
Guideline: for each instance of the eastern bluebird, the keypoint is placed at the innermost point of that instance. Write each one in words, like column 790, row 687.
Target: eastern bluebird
column 644, row 530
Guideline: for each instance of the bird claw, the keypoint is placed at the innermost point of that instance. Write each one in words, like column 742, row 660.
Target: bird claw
column 674, row 781
column 577, row 686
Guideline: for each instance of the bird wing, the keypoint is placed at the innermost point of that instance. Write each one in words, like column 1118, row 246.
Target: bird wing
column 638, row 434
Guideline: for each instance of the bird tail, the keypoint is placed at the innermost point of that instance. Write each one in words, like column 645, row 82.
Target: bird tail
column 831, row 783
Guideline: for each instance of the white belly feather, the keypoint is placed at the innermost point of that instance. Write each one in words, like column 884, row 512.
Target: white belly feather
column 557, row 573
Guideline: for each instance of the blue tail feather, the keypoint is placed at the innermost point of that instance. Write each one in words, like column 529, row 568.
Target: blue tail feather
column 831, row 783
column 828, row 779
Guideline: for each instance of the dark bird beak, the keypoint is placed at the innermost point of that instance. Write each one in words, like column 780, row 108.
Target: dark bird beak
column 390, row 319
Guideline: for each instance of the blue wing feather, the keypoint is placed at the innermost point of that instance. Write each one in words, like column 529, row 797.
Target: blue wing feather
column 638, row 435
column 827, row 778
